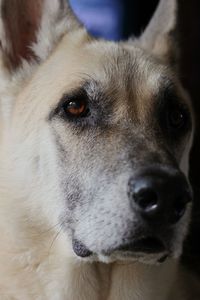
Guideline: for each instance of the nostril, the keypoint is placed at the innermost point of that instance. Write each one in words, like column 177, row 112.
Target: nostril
column 146, row 199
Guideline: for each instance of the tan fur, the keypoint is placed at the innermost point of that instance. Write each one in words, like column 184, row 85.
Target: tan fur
column 36, row 258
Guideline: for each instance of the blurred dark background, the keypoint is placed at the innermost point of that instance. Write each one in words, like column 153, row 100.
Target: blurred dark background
column 119, row 19
column 189, row 35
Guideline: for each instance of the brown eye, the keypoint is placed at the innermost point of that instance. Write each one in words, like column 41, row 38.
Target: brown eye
column 76, row 108
column 176, row 119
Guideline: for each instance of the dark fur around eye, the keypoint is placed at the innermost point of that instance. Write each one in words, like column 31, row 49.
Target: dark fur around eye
column 73, row 106
column 85, row 107
column 174, row 115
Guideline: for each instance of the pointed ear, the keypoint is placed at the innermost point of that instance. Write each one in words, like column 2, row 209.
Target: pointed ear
column 160, row 35
column 30, row 29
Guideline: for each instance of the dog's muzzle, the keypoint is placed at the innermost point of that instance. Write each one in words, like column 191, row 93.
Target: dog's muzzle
column 159, row 198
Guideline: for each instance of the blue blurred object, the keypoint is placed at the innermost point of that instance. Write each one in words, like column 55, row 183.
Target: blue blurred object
column 102, row 18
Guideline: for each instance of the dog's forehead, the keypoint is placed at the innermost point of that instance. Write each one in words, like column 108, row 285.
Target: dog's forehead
column 124, row 73
column 132, row 79
column 128, row 66
column 127, row 73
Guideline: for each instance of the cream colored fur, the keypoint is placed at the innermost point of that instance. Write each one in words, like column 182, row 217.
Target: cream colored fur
column 36, row 259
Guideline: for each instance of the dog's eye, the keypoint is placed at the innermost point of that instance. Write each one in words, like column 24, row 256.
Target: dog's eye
column 174, row 114
column 76, row 108
column 176, row 118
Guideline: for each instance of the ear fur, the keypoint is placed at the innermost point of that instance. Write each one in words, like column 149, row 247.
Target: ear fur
column 30, row 29
column 160, row 35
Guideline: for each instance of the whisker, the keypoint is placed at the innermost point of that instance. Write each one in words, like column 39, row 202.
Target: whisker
column 53, row 241
column 51, row 228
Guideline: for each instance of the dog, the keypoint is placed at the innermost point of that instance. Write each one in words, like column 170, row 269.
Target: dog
column 95, row 140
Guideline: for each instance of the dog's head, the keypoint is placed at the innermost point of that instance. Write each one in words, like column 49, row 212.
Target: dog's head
column 97, row 134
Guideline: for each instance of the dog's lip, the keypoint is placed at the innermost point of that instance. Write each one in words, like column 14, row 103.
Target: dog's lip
column 142, row 247
column 80, row 249
column 146, row 245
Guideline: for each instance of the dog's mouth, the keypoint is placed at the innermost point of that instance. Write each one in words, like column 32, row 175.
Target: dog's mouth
column 147, row 245
column 80, row 249
column 144, row 247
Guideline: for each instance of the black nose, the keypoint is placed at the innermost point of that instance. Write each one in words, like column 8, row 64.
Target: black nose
column 160, row 194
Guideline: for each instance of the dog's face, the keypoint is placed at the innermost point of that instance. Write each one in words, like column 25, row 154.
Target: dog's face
column 105, row 131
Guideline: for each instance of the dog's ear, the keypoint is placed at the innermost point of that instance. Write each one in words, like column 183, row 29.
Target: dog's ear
column 30, row 29
column 160, row 35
